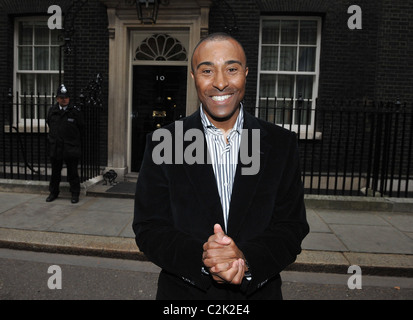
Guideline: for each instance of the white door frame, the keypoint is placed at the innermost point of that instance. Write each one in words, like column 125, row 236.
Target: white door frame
column 190, row 15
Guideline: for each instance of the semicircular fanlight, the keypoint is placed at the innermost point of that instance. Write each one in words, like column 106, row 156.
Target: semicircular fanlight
column 161, row 47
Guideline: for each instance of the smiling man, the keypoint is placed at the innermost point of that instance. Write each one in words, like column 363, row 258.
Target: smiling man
column 220, row 71
column 216, row 233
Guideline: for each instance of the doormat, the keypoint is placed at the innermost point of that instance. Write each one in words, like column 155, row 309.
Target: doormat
column 123, row 187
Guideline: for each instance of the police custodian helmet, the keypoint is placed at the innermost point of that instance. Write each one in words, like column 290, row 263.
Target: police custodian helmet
column 62, row 92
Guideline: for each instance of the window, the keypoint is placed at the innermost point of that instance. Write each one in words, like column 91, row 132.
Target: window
column 36, row 67
column 288, row 68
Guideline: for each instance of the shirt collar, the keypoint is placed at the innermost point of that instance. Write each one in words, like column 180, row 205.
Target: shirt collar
column 209, row 127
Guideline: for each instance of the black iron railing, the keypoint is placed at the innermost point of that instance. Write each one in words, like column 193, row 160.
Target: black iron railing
column 23, row 134
column 92, row 106
column 349, row 148
column 346, row 148
column 23, row 137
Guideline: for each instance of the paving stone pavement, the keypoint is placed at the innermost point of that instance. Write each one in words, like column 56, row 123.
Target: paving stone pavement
column 375, row 234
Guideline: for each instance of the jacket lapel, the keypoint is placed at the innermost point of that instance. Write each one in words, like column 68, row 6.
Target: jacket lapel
column 202, row 178
column 245, row 185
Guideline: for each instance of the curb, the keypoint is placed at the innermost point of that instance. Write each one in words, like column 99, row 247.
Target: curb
column 390, row 265
column 395, row 265
column 66, row 243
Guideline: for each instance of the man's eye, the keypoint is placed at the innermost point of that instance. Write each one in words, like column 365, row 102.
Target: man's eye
column 207, row 71
column 232, row 70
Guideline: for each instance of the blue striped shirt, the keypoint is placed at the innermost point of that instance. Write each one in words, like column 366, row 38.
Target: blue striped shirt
column 224, row 157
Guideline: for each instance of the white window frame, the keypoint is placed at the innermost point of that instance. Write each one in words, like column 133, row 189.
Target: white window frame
column 305, row 131
column 19, row 118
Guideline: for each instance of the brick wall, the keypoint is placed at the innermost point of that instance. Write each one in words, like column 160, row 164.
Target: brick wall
column 90, row 56
column 394, row 77
column 368, row 64
column 6, row 49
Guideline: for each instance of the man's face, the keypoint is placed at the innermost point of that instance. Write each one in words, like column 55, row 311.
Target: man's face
column 63, row 101
column 219, row 71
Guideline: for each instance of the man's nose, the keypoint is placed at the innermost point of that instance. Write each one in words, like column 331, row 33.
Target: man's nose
column 220, row 80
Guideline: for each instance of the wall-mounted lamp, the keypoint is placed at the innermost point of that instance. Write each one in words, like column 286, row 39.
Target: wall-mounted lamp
column 148, row 10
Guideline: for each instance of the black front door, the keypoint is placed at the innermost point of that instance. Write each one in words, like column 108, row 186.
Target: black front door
column 159, row 98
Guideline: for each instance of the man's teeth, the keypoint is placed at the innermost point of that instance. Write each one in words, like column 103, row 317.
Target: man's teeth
column 220, row 98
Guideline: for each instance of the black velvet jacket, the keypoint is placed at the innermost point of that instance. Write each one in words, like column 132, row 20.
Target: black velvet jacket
column 177, row 205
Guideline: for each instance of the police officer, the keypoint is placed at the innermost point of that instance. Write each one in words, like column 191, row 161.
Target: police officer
column 66, row 125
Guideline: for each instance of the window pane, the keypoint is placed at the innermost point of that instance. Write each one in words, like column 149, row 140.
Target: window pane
column 305, row 87
column 284, row 112
column 54, row 58
column 27, row 83
column 267, row 85
column 43, row 84
column 41, row 35
column 55, row 37
column 305, row 90
column 152, row 45
column 42, row 107
column 41, row 56
column 25, row 58
column 289, row 32
column 307, row 59
column 25, row 33
column 270, row 32
column 267, row 109
column 285, row 86
column 308, row 32
column 288, row 58
column 177, row 53
column 55, row 84
column 269, row 58
column 26, row 108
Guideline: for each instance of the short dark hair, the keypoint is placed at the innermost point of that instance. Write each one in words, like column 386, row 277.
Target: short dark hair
column 217, row 36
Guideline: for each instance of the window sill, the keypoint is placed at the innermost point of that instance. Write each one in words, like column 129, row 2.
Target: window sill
column 309, row 135
column 29, row 129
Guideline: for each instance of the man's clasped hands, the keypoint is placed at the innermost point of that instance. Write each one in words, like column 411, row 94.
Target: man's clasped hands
column 223, row 259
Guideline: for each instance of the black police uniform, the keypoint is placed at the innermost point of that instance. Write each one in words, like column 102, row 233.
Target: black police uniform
column 66, row 125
